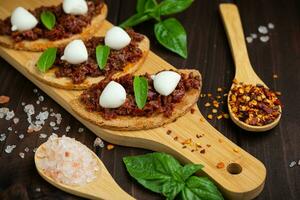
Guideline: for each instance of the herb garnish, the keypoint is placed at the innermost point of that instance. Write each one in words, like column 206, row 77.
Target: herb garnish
column 102, row 53
column 140, row 87
column 170, row 33
column 48, row 19
column 47, row 59
column 161, row 173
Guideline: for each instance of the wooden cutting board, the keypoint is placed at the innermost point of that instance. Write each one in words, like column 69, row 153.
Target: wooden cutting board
column 242, row 177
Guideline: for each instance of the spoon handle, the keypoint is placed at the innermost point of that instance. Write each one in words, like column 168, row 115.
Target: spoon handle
column 232, row 22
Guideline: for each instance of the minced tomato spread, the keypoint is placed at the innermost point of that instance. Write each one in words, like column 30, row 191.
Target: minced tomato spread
column 156, row 103
column 66, row 24
column 117, row 59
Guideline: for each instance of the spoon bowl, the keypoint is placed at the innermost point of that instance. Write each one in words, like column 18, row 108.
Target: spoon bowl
column 244, row 72
column 102, row 187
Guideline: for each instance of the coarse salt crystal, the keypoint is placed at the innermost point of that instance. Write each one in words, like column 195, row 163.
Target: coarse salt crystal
column 26, row 149
column 21, row 136
column 43, row 135
column 271, row 26
column 55, row 128
column 44, row 108
column 249, row 39
column 263, row 29
column 10, row 148
column 22, row 155
column 52, row 124
column 67, row 161
column 253, row 35
column 298, row 162
column 10, row 115
column 16, row 120
column 68, row 128
column 2, row 137
column 34, row 150
column 292, row 164
column 35, row 90
column 80, row 130
column 264, row 38
column 98, row 142
column 23, row 103
column 38, row 189
column 41, row 98
column 9, row 128
column 16, row 131
column 38, row 102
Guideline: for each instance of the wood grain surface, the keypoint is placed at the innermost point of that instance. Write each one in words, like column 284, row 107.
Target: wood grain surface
column 209, row 52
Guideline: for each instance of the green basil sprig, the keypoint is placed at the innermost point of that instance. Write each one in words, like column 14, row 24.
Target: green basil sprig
column 140, row 87
column 48, row 19
column 161, row 173
column 47, row 59
column 102, row 53
column 169, row 33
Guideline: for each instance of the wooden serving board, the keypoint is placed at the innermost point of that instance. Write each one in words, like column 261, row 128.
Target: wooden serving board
column 242, row 177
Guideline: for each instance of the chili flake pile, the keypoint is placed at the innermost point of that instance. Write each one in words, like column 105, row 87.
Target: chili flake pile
column 254, row 104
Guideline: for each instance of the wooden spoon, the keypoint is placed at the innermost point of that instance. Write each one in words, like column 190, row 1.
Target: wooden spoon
column 103, row 187
column 244, row 71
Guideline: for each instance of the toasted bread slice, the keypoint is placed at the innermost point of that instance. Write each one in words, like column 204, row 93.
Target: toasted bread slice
column 140, row 123
column 42, row 44
column 66, row 83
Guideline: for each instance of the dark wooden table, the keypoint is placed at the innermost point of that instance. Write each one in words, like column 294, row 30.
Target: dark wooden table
column 208, row 52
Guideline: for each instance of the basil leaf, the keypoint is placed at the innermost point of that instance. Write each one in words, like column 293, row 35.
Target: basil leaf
column 135, row 20
column 140, row 87
column 200, row 188
column 171, row 34
column 168, row 7
column 47, row 59
column 189, row 170
column 144, row 5
column 102, row 53
column 172, row 188
column 48, row 19
column 153, row 170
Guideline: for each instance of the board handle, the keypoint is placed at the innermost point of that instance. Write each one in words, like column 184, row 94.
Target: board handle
column 233, row 26
column 242, row 176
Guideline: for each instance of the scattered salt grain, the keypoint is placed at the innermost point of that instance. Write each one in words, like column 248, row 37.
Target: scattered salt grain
column 292, row 164
column 38, row 189
column 38, row 102
column 299, row 162
column 80, row 130
column 98, row 142
column 43, row 136
column 52, row 124
column 68, row 128
column 34, row 150
column 9, row 148
column 10, row 115
column 16, row 131
column 51, row 109
column 55, row 128
column 44, row 108
column 22, row 155
column 26, row 149
column 9, row 128
column 21, row 136
column 16, row 120
column 58, row 118
column 35, row 90
column 249, row 39
column 2, row 137
column 271, row 26
column 67, row 161
column 263, row 29
column 253, row 35
column 23, row 103
column 41, row 98
column 264, row 38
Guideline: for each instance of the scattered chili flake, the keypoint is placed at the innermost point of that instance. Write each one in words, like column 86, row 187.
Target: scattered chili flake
column 4, row 99
column 202, row 151
column 254, row 104
column 198, row 144
column 175, row 138
column 192, row 150
column 193, row 111
column 234, row 81
column 67, row 154
column 198, row 135
column 184, row 147
column 209, row 116
column 216, row 104
column 208, row 145
column 169, row 132
column 110, row 147
column 220, row 165
column 188, row 141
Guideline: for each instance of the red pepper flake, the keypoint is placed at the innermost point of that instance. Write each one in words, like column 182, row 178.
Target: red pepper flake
column 169, row 132
column 67, row 154
column 175, row 138
column 184, row 147
column 193, row 111
column 4, row 99
column 202, row 151
column 192, row 150
column 198, row 136
column 220, row 165
column 208, row 145
column 188, row 141
column 110, row 147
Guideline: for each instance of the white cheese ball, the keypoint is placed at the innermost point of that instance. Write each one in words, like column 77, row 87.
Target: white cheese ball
column 166, row 82
column 113, row 95
column 75, row 7
column 22, row 20
column 75, row 52
column 116, row 38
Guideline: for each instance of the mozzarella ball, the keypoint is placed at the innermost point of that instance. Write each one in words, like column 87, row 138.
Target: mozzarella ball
column 22, row 20
column 75, row 52
column 116, row 38
column 75, row 7
column 166, row 82
column 113, row 95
